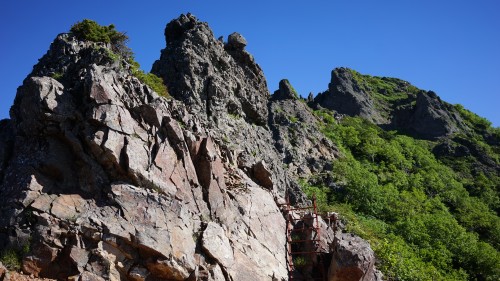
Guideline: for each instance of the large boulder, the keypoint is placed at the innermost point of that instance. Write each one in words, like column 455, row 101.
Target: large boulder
column 236, row 41
column 353, row 260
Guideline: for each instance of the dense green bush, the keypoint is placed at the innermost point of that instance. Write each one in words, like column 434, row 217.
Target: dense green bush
column 417, row 213
column 89, row 30
column 383, row 88
column 11, row 259
column 472, row 119
column 154, row 82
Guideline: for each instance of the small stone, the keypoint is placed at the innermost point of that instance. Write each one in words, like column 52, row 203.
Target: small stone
column 138, row 273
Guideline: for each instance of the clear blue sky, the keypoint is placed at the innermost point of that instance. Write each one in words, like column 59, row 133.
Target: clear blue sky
column 450, row 47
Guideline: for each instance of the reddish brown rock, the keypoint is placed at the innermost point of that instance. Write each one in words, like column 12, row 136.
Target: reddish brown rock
column 353, row 260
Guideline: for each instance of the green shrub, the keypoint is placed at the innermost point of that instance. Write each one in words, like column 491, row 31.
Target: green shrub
column 294, row 92
column 299, row 261
column 89, row 30
column 11, row 258
column 474, row 120
column 293, row 119
column 58, row 76
column 150, row 79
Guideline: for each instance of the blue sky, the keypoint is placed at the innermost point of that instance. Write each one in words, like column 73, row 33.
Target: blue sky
column 450, row 47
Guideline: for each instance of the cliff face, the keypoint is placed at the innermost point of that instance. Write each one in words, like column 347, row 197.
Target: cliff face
column 103, row 179
column 110, row 181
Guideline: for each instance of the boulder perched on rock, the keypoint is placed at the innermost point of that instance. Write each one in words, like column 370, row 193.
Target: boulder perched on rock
column 236, row 41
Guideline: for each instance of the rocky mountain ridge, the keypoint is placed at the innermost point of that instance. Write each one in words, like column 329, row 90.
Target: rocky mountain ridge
column 392, row 103
column 102, row 179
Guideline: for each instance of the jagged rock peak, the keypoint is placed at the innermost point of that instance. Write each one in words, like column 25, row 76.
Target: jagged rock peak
column 117, row 184
column 177, row 28
column 345, row 96
column 391, row 103
column 67, row 54
column 211, row 78
column 285, row 91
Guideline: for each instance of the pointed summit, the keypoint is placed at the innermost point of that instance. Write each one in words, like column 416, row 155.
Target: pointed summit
column 285, row 91
column 212, row 79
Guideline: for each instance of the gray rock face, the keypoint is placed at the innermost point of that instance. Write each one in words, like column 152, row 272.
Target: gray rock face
column 4, row 273
column 345, row 96
column 297, row 134
column 216, row 243
column 353, row 260
column 285, row 91
column 6, row 144
column 208, row 78
column 226, row 90
column 432, row 118
column 105, row 180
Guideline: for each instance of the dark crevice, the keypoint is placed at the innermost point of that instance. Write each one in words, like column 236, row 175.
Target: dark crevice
column 207, row 100
column 6, row 145
column 274, row 129
column 225, row 273
column 124, row 160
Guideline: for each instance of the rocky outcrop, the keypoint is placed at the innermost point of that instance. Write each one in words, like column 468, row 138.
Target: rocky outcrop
column 212, row 78
column 346, row 96
column 432, row 118
column 103, row 179
column 108, row 181
column 285, row 91
column 304, row 149
column 226, row 90
column 391, row 103
column 6, row 143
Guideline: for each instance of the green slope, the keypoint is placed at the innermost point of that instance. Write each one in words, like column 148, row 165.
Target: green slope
column 428, row 216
